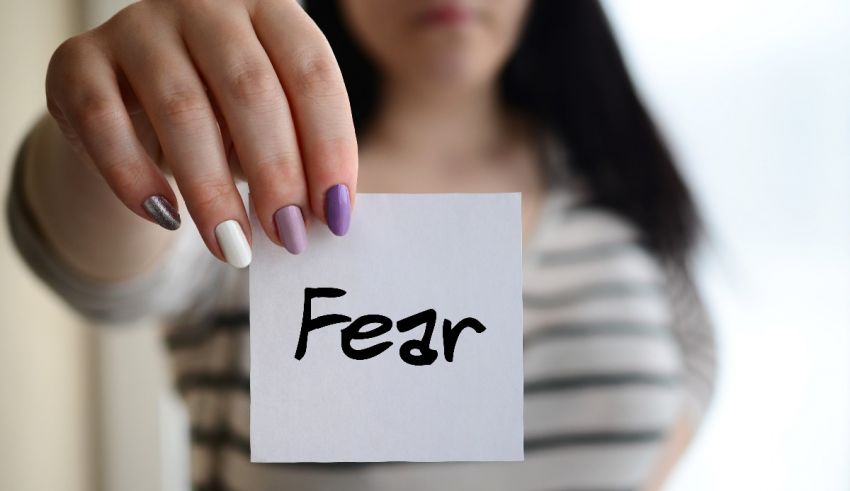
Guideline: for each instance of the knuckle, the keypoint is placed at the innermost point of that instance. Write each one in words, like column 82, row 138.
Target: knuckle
column 67, row 60
column 334, row 156
column 283, row 167
column 319, row 76
column 192, row 8
column 124, row 175
column 131, row 15
column 253, row 84
column 182, row 106
column 211, row 193
column 70, row 49
column 139, row 17
column 95, row 113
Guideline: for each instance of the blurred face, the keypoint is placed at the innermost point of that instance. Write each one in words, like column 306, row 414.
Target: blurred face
column 449, row 43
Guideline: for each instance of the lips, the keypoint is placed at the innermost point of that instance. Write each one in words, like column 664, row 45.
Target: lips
column 446, row 15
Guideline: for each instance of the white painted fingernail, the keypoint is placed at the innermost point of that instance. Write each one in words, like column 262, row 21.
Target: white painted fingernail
column 233, row 243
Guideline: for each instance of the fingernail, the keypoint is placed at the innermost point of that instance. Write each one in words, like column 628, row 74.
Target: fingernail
column 233, row 243
column 160, row 210
column 338, row 209
column 290, row 228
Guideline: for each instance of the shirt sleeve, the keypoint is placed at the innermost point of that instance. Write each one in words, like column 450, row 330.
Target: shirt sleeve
column 178, row 286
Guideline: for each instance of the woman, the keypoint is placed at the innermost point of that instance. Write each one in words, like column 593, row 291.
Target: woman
column 448, row 96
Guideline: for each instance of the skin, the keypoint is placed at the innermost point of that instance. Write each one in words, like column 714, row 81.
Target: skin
column 232, row 89
column 440, row 126
column 216, row 103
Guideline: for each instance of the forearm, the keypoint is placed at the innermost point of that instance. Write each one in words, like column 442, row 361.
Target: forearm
column 79, row 216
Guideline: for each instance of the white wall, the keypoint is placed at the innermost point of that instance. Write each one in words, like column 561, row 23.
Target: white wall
column 81, row 407
column 755, row 96
column 45, row 376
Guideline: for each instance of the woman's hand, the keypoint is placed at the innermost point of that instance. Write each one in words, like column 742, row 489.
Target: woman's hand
column 222, row 87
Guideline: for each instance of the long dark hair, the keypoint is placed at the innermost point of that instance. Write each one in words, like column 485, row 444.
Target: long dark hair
column 567, row 74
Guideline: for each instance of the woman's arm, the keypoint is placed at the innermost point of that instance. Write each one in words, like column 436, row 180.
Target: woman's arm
column 180, row 282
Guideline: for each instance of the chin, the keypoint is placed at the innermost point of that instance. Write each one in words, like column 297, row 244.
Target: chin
column 454, row 68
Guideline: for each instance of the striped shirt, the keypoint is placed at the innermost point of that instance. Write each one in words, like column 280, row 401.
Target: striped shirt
column 616, row 348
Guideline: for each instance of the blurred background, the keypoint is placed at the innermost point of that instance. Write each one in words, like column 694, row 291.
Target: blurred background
column 754, row 97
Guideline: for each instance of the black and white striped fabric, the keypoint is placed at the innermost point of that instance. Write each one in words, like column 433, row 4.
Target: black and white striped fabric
column 617, row 348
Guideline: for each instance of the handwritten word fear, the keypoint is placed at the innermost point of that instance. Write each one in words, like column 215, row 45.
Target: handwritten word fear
column 414, row 352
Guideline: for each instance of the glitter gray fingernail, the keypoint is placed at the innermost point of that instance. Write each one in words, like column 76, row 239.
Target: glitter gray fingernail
column 161, row 211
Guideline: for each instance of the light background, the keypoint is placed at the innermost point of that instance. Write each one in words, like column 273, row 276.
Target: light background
column 755, row 98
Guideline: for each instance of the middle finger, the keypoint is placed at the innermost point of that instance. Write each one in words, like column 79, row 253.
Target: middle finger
column 250, row 96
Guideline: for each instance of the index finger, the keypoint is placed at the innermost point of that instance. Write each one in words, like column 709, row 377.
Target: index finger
column 313, row 84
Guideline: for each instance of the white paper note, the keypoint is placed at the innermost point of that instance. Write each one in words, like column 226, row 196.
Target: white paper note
column 458, row 254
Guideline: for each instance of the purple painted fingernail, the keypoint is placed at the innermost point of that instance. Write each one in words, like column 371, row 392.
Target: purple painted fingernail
column 338, row 209
column 290, row 228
